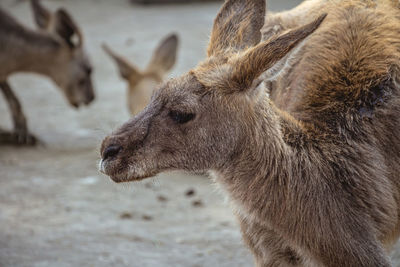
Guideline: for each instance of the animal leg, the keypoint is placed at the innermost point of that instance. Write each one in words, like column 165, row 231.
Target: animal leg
column 268, row 248
column 20, row 136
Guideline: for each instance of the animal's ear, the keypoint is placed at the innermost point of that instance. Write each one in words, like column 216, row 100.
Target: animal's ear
column 251, row 64
column 67, row 29
column 237, row 26
column 164, row 57
column 41, row 15
column 127, row 70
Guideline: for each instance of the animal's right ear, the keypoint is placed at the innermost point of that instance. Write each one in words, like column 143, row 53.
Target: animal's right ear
column 237, row 26
column 41, row 14
column 127, row 70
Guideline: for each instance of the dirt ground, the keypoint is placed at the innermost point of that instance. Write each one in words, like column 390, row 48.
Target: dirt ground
column 56, row 209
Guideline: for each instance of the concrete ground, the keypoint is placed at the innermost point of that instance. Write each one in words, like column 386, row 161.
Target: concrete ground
column 56, row 209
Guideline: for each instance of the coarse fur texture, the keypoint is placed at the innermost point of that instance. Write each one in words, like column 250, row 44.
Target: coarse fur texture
column 309, row 151
column 142, row 84
column 55, row 50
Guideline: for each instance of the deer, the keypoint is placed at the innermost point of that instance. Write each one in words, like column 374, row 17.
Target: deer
column 142, row 84
column 54, row 50
column 311, row 166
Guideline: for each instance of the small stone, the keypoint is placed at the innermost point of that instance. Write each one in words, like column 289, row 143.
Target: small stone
column 197, row 203
column 126, row 215
column 190, row 192
column 147, row 218
column 162, row 198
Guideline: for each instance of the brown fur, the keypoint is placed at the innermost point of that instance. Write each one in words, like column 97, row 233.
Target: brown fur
column 311, row 162
column 142, row 84
column 56, row 50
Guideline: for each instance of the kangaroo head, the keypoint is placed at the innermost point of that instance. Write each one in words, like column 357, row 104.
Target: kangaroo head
column 203, row 119
column 72, row 69
column 142, row 84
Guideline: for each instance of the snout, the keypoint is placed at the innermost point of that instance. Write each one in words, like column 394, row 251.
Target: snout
column 78, row 96
column 123, row 154
column 89, row 97
column 79, row 101
column 75, row 102
column 110, row 163
column 111, row 151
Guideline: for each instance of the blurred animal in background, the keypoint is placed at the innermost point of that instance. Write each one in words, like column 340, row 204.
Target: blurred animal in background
column 312, row 165
column 143, row 83
column 54, row 50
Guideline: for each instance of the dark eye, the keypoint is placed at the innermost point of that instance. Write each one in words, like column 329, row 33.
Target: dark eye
column 181, row 117
column 82, row 82
column 87, row 69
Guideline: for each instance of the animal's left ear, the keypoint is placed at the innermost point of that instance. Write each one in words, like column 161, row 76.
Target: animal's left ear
column 126, row 69
column 237, row 26
column 41, row 14
column 67, row 29
column 164, row 57
column 255, row 61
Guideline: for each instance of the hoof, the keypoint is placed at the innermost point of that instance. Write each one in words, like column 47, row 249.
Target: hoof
column 18, row 138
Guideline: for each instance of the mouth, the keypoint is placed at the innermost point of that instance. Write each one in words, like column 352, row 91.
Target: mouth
column 83, row 102
column 118, row 174
column 88, row 101
column 74, row 105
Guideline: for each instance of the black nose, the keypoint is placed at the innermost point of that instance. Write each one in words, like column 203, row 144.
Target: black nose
column 111, row 151
column 89, row 97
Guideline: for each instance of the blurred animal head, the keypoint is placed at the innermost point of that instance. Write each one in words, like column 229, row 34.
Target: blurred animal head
column 200, row 120
column 71, row 70
column 142, row 84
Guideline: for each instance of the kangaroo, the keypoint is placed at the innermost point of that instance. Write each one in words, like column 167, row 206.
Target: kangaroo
column 143, row 83
column 55, row 50
column 314, row 180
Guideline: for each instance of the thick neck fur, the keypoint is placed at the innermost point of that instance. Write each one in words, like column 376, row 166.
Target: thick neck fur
column 24, row 50
column 301, row 193
column 256, row 167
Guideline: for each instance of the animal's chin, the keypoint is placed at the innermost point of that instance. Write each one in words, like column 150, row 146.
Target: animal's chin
column 75, row 105
column 124, row 178
column 122, row 175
